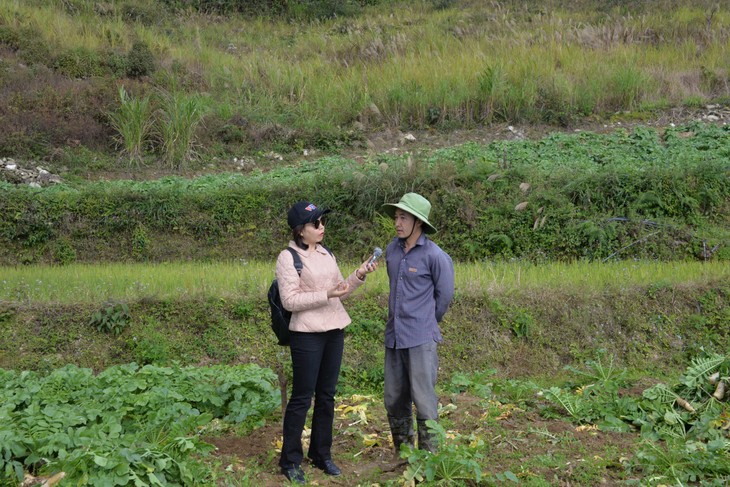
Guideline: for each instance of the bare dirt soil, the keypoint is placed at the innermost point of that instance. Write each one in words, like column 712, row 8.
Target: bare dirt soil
column 554, row 452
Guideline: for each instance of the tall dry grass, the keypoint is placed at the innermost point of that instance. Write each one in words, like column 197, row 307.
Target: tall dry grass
column 419, row 66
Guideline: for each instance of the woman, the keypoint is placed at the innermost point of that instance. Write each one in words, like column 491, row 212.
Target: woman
column 317, row 337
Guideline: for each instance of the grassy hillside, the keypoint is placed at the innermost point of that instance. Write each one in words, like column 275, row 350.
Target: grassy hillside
column 207, row 81
column 640, row 194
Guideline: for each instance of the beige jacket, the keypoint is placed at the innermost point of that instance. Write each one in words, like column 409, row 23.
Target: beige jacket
column 306, row 296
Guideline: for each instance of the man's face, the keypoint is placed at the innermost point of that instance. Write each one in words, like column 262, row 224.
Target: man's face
column 404, row 223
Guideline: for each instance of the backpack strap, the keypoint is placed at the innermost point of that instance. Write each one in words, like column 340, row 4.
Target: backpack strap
column 297, row 260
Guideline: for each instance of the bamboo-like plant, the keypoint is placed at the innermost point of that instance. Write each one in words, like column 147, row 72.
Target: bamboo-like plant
column 178, row 118
column 132, row 122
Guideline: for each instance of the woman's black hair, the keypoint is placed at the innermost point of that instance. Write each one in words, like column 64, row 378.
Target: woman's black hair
column 296, row 235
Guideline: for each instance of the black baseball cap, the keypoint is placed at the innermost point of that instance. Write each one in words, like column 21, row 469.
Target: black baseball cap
column 304, row 212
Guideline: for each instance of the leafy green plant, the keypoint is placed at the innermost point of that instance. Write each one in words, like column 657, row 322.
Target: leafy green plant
column 479, row 383
column 111, row 318
column 521, row 323
column 64, row 252
column 456, row 461
column 574, row 404
column 453, row 463
column 601, row 370
column 126, row 425
column 689, row 418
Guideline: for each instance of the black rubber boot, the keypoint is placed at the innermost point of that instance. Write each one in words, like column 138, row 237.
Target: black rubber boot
column 426, row 439
column 402, row 431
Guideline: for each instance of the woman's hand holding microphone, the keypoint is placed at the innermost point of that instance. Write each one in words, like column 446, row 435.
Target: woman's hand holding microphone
column 365, row 268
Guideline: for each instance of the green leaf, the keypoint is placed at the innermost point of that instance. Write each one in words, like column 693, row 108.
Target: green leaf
column 115, row 430
column 509, row 475
column 153, row 479
column 101, row 461
column 672, row 417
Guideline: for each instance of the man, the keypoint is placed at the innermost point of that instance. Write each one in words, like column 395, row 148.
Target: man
column 421, row 279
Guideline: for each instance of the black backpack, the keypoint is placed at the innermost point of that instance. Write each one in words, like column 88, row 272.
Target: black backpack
column 280, row 316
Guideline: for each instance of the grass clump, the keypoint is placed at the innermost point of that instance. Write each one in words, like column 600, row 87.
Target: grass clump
column 133, row 123
column 178, row 118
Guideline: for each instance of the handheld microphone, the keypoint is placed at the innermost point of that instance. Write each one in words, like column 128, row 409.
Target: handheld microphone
column 376, row 255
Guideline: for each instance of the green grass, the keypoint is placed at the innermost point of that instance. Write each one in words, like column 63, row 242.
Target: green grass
column 87, row 284
column 133, row 122
column 402, row 56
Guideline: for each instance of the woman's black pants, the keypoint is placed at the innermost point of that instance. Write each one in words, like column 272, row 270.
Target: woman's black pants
column 316, row 359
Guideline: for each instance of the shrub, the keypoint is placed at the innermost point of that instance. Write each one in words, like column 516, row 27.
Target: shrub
column 297, row 9
column 33, row 48
column 140, row 60
column 115, row 63
column 588, row 199
column 9, row 37
column 78, row 63
column 323, row 9
column 19, row 142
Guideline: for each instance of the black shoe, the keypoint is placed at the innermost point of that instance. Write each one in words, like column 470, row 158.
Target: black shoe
column 294, row 474
column 328, row 466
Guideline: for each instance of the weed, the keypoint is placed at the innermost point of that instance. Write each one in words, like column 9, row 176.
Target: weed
column 521, row 323
column 141, row 243
column 111, row 318
column 243, row 309
column 476, row 383
column 456, row 462
column 64, row 252
column 150, row 346
column 9, row 37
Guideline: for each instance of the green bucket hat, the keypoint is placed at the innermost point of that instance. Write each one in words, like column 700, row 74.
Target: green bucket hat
column 416, row 205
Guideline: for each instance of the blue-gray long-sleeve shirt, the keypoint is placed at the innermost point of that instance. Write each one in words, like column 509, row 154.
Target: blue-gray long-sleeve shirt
column 421, row 289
